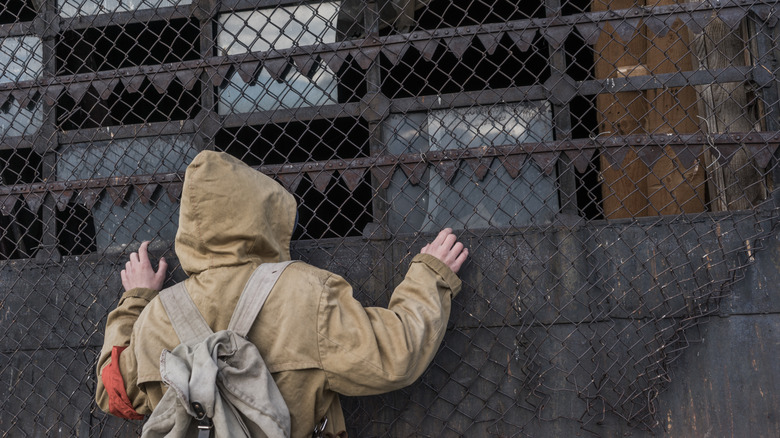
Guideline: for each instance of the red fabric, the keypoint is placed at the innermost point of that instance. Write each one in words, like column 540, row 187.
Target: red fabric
column 118, row 401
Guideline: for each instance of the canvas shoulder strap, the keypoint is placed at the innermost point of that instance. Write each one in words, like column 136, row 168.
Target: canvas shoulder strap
column 185, row 317
column 188, row 322
column 254, row 295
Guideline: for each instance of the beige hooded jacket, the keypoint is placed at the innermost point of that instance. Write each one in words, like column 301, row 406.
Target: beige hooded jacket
column 317, row 340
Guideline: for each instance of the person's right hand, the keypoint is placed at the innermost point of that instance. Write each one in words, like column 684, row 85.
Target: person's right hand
column 139, row 272
column 447, row 249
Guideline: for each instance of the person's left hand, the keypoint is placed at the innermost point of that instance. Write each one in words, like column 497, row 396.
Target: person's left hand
column 139, row 272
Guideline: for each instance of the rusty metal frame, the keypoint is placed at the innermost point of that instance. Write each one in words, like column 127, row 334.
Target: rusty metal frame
column 371, row 45
column 215, row 69
column 404, row 105
column 761, row 145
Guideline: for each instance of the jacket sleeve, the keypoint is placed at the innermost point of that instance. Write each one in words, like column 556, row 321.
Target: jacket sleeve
column 117, row 392
column 373, row 350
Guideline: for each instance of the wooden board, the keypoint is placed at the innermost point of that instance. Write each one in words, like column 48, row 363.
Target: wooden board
column 632, row 188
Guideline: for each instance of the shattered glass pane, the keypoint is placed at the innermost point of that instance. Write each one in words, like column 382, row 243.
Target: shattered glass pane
column 72, row 8
column 132, row 220
column 278, row 28
column 21, row 59
column 468, row 202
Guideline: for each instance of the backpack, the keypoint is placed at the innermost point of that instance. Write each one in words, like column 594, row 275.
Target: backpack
column 218, row 383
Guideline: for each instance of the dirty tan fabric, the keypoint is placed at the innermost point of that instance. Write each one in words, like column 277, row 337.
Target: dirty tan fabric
column 317, row 340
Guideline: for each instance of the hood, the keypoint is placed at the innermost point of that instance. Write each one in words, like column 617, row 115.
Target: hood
column 231, row 214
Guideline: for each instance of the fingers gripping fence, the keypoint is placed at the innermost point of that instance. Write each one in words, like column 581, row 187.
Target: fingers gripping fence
column 610, row 165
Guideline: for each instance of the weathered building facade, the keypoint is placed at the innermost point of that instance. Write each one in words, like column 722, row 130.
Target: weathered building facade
column 611, row 166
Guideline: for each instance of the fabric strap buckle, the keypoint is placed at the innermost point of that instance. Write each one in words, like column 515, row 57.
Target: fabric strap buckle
column 204, row 423
column 319, row 429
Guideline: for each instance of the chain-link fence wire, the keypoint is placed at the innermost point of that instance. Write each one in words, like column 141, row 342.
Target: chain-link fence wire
column 610, row 165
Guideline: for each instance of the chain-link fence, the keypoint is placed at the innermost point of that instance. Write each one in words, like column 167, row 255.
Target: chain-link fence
column 611, row 167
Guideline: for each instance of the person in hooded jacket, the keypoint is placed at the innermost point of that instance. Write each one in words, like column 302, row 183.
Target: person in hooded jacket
column 316, row 339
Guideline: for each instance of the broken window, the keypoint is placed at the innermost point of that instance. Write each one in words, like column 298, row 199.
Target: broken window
column 444, row 13
column 404, row 16
column 579, row 60
column 20, row 217
column 73, row 8
column 135, row 98
column 124, row 214
column 21, row 114
column 329, row 204
column 447, row 64
column 431, row 67
column 21, row 59
column 129, row 45
column 487, row 194
column 12, row 11
column 278, row 84
column 75, row 230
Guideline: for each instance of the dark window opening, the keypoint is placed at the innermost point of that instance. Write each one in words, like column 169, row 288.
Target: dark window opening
column 19, row 166
column 589, row 196
column 579, row 58
column 570, row 7
column 75, row 230
column 124, row 108
column 337, row 212
column 296, row 142
column 15, row 11
column 584, row 121
column 20, row 233
column 351, row 82
column 445, row 13
column 21, row 230
column 115, row 47
column 584, row 124
column 136, row 44
column 507, row 67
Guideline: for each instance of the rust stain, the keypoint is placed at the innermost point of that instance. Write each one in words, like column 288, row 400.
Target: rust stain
column 653, row 267
column 728, row 392
column 693, row 408
column 759, row 336
column 709, row 264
